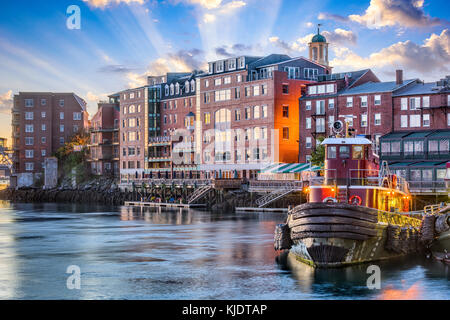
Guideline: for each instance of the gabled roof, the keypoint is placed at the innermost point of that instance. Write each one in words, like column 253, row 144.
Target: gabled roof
column 419, row 88
column 269, row 60
column 375, row 87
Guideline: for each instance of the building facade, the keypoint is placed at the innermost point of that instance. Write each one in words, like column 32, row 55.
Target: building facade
column 104, row 138
column 41, row 123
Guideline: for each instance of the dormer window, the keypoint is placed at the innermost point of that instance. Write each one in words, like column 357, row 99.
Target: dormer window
column 166, row 89
column 219, row 66
column 241, row 62
column 177, row 88
column 186, row 86
column 192, row 85
column 172, row 89
column 232, row 64
column 211, row 68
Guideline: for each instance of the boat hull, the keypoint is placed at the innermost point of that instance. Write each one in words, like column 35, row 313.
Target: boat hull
column 335, row 235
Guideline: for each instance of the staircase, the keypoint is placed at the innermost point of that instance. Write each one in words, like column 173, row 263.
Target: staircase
column 342, row 195
column 199, row 193
column 271, row 197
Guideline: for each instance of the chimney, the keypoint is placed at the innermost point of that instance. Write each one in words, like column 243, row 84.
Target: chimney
column 399, row 77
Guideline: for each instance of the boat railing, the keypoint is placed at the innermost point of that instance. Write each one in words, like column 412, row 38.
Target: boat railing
column 365, row 177
column 326, row 177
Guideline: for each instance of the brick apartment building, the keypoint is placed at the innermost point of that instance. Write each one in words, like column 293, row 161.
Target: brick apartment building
column 104, row 138
column 41, row 123
column 248, row 113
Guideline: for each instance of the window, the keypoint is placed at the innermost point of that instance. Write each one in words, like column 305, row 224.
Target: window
column 414, row 120
column 43, row 152
column 320, row 125
column 331, row 104
column 358, row 152
column 207, row 118
column 256, row 113
column 349, row 102
column 61, row 115
column 206, row 83
column 256, row 133
column 286, row 133
column 330, row 121
column 43, row 127
column 61, row 103
column 247, row 91
column 308, row 143
column 344, row 152
column 414, row 103
column 321, row 89
column 77, row 116
column 29, row 141
column 219, row 66
column 264, row 89
column 43, row 140
column 308, row 105
column 237, row 114
column 29, row 128
column 238, row 78
column 75, row 128
column 308, row 123
column 331, row 153
column 29, row 115
column 29, row 102
column 177, row 88
column 61, row 128
column 132, row 136
column 312, row 90
column 172, row 89
column 426, row 120
column 166, row 90
column 377, row 100
column 404, row 121
column 132, row 122
column 186, row 86
column 227, row 80
column 29, row 154
column 285, row 89
column 207, row 97
column 131, row 151
column 264, row 111
column 448, row 118
column 222, row 95
column 43, row 114
column 330, row 88
column 217, row 81
column 192, row 85
column 29, row 166
column 285, row 111
column 426, row 102
column 43, row 102
column 247, row 113
column 241, row 62
column 174, row 118
column 256, row 90
column 364, row 120
column 320, row 107
column 232, row 64
column 378, row 119
column 264, row 133
column 404, row 104
column 364, row 101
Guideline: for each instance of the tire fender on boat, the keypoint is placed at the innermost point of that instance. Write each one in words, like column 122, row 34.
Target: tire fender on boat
column 355, row 200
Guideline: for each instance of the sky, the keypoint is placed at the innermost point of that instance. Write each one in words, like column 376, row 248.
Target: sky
column 120, row 42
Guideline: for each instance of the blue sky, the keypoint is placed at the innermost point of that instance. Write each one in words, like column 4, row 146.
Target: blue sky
column 122, row 41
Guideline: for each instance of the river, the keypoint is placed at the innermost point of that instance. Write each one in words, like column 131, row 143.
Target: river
column 125, row 253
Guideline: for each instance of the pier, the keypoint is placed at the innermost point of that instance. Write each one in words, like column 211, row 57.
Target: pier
column 163, row 204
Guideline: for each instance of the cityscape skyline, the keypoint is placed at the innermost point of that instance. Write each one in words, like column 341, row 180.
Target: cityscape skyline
column 121, row 42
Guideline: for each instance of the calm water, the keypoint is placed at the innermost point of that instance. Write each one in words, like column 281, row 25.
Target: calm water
column 126, row 254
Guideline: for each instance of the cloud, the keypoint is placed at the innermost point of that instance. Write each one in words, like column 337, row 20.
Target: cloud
column 340, row 36
column 180, row 61
column 207, row 4
column 115, row 68
column 215, row 8
column 389, row 13
column 431, row 56
column 234, row 50
column 208, row 18
column 6, row 102
column 105, row 3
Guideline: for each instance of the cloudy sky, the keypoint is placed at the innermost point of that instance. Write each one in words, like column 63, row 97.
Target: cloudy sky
column 122, row 41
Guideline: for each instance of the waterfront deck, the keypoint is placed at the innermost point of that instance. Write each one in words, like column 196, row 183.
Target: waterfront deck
column 163, row 204
column 256, row 209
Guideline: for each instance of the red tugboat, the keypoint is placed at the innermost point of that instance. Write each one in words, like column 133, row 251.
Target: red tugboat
column 356, row 211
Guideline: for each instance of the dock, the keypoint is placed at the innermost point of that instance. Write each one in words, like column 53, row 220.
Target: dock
column 163, row 204
column 256, row 209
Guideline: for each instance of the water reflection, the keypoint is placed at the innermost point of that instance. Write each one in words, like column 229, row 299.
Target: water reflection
column 153, row 253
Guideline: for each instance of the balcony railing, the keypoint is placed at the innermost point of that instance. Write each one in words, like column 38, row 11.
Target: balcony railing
column 416, row 155
column 427, row 186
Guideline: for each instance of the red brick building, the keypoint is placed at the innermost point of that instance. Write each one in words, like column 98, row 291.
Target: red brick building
column 360, row 96
column 41, row 123
column 248, row 113
column 104, row 138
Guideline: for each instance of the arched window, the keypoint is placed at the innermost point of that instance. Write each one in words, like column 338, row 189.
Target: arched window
column 132, row 109
column 314, row 50
column 193, row 85
column 186, row 86
column 171, row 89
column 166, row 89
column 177, row 88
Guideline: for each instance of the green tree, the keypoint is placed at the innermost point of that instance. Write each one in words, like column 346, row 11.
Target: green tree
column 318, row 155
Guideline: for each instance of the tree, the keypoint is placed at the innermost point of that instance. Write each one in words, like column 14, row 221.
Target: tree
column 318, row 155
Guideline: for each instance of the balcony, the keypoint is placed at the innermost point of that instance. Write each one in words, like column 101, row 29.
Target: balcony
column 102, row 129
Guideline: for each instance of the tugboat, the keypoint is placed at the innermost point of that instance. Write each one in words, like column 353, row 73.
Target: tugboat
column 357, row 211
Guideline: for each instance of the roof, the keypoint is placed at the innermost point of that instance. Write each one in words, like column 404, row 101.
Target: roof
column 318, row 38
column 418, row 88
column 269, row 60
column 395, row 135
column 289, row 168
column 375, row 87
column 346, row 141
column 418, row 164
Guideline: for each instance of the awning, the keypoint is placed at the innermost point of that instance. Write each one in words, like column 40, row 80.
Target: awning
column 289, row 168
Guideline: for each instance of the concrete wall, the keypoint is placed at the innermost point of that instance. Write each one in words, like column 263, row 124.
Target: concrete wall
column 50, row 172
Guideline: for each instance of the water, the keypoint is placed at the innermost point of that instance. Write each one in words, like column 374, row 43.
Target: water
column 172, row 254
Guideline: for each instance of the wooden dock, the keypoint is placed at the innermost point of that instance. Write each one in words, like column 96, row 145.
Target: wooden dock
column 162, row 204
column 256, row 209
